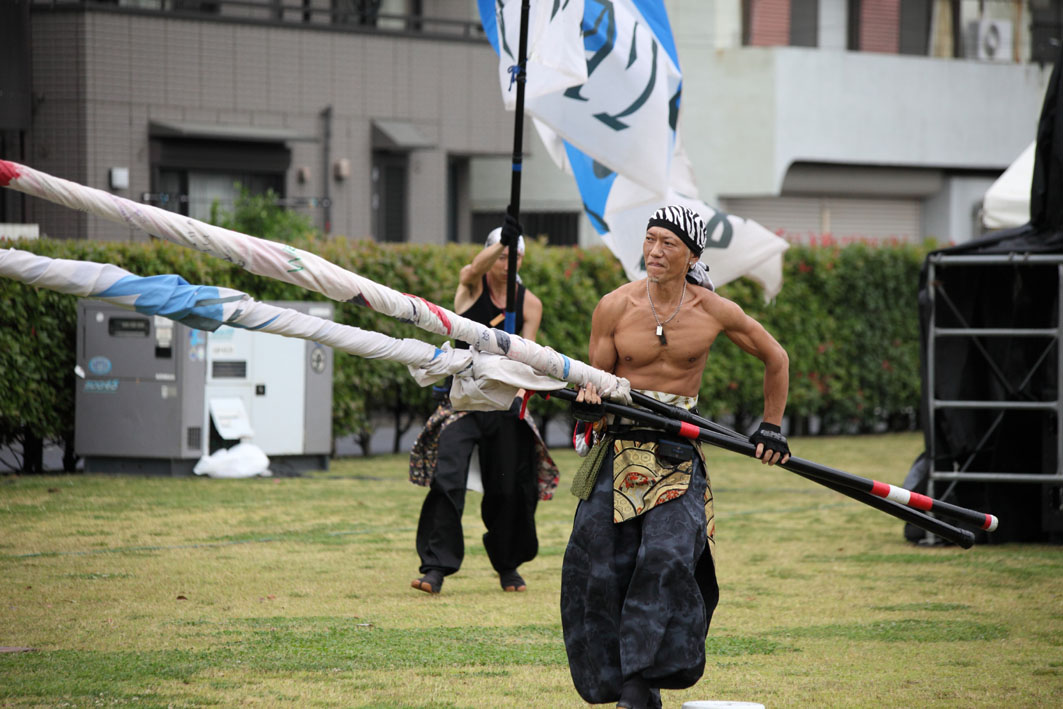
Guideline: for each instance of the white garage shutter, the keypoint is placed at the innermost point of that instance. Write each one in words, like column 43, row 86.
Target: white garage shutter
column 845, row 219
column 875, row 219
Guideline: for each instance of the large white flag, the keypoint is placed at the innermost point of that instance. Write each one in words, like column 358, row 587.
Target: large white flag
column 616, row 132
column 555, row 47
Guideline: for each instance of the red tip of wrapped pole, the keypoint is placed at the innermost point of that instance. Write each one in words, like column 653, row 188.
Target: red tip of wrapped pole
column 990, row 523
column 8, row 172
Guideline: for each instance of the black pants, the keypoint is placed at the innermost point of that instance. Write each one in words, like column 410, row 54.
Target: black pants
column 511, row 493
column 637, row 597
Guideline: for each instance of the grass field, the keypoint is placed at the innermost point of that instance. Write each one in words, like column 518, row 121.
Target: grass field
column 157, row 592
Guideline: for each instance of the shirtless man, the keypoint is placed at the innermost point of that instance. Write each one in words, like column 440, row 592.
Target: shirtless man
column 638, row 579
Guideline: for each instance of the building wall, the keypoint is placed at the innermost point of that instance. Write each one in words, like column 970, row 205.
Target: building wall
column 953, row 215
column 749, row 114
column 103, row 77
column 752, row 115
column 56, row 141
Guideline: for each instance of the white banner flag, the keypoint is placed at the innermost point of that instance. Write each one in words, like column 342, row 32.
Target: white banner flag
column 555, row 47
column 617, row 132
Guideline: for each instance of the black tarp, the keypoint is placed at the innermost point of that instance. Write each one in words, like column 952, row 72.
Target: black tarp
column 1020, row 294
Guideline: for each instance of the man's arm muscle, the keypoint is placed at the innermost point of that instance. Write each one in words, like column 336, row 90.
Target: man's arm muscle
column 751, row 336
column 533, row 316
column 602, row 350
column 471, row 276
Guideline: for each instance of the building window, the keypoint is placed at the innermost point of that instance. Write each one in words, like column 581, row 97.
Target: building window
column 559, row 228
column 390, row 184
column 197, row 193
column 768, row 23
column 457, row 198
column 400, row 15
column 987, row 30
column 192, row 175
column 210, row 6
column 894, row 26
column 1046, row 30
column 874, row 25
column 356, row 12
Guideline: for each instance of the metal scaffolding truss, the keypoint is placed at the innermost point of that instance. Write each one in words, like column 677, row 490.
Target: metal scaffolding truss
column 1019, row 395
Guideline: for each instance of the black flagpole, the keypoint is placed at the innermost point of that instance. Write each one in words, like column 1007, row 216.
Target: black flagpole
column 514, row 185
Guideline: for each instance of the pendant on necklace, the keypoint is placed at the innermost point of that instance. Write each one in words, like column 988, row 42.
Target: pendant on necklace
column 660, row 335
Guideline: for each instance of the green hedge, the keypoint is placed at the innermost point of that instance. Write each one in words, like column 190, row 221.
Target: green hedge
column 847, row 317
column 849, row 320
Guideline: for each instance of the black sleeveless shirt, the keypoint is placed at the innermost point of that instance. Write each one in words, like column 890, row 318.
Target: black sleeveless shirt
column 485, row 312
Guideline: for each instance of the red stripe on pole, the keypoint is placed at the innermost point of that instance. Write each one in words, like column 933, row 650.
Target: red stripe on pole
column 880, row 489
column 688, row 430
column 434, row 309
column 921, row 502
column 988, row 522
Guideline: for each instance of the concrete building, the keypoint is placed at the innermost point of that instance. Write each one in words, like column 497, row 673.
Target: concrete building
column 363, row 113
column 382, row 118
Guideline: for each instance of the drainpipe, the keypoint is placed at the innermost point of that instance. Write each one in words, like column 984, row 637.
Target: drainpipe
column 326, row 160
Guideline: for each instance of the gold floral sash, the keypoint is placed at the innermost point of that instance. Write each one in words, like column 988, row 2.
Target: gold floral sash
column 642, row 479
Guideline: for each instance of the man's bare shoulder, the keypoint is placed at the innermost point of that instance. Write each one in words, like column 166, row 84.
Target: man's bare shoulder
column 624, row 293
column 715, row 304
column 615, row 302
column 533, row 306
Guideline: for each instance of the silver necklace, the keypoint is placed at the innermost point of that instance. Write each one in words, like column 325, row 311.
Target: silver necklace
column 660, row 325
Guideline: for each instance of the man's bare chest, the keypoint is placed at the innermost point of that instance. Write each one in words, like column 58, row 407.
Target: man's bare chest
column 642, row 340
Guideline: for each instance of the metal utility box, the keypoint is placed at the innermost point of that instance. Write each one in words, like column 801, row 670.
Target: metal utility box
column 139, row 407
column 284, row 385
column 149, row 385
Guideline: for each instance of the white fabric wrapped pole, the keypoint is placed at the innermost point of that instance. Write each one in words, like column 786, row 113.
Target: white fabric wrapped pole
column 302, row 268
column 209, row 307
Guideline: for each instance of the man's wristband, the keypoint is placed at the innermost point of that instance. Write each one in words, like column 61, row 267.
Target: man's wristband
column 591, row 413
column 770, row 436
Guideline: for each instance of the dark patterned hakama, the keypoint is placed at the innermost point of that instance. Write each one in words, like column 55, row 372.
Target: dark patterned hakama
column 637, row 596
column 516, row 471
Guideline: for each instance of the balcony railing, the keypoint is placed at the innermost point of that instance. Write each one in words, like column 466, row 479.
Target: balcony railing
column 1008, row 31
column 343, row 15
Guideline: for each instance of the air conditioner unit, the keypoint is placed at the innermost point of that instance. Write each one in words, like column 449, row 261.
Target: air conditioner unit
column 992, row 40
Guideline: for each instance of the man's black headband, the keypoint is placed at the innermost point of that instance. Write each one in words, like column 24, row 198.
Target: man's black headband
column 684, row 223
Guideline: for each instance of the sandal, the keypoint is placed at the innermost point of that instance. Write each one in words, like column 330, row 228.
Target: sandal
column 511, row 581
column 431, row 582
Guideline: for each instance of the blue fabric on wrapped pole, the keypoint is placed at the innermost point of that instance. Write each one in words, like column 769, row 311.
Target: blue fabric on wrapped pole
column 172, row 297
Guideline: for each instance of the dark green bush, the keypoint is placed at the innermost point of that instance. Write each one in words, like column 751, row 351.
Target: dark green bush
column 849, row 320
column 847, row 317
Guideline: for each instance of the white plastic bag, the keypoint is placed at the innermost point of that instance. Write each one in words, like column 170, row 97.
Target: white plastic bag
column 244, row 460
